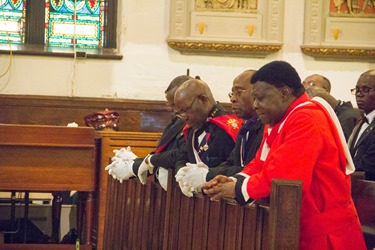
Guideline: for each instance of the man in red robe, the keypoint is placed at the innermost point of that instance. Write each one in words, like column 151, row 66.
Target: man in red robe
column 301, row 142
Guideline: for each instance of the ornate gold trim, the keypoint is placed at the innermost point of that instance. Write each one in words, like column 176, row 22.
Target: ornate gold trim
column 343, row 53
column 235, row 49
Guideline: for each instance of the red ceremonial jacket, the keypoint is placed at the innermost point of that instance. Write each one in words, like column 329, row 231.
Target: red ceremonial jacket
column 304, row 146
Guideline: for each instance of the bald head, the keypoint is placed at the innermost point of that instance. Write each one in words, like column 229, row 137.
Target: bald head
column 194, row 87
column 370, row 73
column 245, row 76
column 317, row 81
column 193, row 101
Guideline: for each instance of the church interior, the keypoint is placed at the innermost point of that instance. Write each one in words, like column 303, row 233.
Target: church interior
column 72, row 90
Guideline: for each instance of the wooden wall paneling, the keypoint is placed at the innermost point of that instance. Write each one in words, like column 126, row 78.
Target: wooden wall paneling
column 118, row 209
column 158, row 216
column 285, row 209
column 111, row 205
column 233, row 225
column 169, row 235
column 142, row 143
column 199, row 230
column 263, row 227
column 175, row 206
column 127, row 220
column 144, row 223
column 216, row 225
column 186, row 214
column 135, row 115
column 107, row 236
column 131, row 218
column 221, row 220
column 364, row 201
column 249, row 227
column 145, row 235
column 123, row 208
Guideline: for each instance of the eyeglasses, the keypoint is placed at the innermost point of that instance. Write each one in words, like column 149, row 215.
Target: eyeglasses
column 364, row 90
column 184, row 114
column 236, row 93
column 308, row 84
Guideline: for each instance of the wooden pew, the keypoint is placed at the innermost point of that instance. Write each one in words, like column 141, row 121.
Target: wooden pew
column 146, row 217
column 363, row 193
column 141, row 143
column 47, row 159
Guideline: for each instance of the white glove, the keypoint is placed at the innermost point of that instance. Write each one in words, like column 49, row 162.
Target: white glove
column 121, row 170
column 195, row 177
column 185, row 189
column 123, row 154
column 144, row 168
column 162, row 175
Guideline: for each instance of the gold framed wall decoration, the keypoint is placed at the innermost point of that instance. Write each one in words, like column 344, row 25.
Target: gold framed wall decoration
column 245, row 28
column 340, row 29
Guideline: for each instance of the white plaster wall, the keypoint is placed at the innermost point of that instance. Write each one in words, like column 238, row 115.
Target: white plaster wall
column 149, row 64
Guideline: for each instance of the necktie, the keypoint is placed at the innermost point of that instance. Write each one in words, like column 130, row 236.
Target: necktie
column 361, row 121
column 364, row 118
column 243, row 135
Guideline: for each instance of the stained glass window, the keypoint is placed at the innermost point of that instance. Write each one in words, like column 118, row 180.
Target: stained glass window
column 78, row 22
column 12, row 21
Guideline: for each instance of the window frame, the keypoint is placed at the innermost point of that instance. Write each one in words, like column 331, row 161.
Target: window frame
column 34, row 36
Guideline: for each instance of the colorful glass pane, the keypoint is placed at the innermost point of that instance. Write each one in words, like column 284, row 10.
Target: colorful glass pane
column 12, row 21
column 78, row 22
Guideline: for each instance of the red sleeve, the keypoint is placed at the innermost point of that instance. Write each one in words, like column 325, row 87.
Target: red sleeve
column 292, row 156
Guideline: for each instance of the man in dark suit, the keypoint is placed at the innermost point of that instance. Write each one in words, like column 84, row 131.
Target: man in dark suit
column 318, row 85
column 164, row 156
column 248, row 139
column 210, row 133
column 251, row 132
column 362, row 140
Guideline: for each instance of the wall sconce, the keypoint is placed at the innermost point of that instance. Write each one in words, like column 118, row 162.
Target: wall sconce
column 250, row 29
column 201, row 27
column 335, row 33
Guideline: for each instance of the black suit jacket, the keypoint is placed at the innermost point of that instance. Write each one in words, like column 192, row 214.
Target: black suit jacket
column 363, row 153
column 233, row 165
column 348, row 117
column 220, row 143
column 165, row 154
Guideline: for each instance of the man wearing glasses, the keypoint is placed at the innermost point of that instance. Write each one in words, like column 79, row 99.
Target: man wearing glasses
column 248, row 139
column 210, row 133
column 164, row 155
column 318, row 85
column 362, row 140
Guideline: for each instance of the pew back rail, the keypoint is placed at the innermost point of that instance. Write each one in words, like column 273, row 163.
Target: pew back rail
column 146, row 217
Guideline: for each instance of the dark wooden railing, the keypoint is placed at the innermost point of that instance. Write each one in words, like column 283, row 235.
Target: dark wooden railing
column 146, row 217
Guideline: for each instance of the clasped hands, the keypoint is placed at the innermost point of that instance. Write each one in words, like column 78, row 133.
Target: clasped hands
column 191, row 178
column 220, row 187
column 121, row 167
